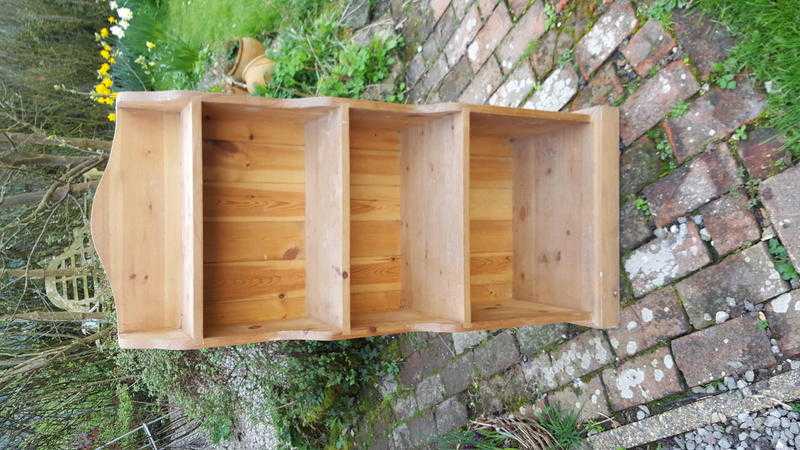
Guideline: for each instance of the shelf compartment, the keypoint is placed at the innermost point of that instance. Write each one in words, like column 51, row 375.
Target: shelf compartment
column 407, row 220
column 543, row 218
column 275, row 227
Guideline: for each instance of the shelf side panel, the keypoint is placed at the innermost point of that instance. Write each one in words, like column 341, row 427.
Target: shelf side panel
column 191, row 227
column 327, row 212
column 435, row 221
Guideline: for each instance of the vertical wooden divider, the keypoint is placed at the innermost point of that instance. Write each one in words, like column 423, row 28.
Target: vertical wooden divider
column 191, row 144
column 434, row 158
column 327, row 218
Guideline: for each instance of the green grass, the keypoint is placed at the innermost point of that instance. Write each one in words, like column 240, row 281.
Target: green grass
column 768, row 39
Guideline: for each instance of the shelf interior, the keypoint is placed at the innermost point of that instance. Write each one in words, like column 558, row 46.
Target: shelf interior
column 255, row 251
column 407, row 229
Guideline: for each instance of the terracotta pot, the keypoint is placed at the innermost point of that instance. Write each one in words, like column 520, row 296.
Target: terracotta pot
column 257, row 72
column 249, row 49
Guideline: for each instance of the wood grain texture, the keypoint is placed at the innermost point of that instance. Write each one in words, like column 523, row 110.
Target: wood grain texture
column 434, row 207
column 327, row 214
column 248, row 219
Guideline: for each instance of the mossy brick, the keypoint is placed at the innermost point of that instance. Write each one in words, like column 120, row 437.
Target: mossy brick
column 657, row 317
column 604, row 37
column 645, row 378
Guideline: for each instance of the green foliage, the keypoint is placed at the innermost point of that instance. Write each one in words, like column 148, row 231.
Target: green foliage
column 781, row 259
column 316, row 60
column 661, row 10
column 643, row 206
column 566, row 57
column 665, row 154
column 768, row 38
column 563, row 426
column 762, row 325
column 482, row 439
column 550, row 16
column 679, row 110
column 740, row 133
column 194, row 380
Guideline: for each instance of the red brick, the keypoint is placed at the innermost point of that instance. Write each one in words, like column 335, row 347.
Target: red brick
column 763, row 152
column 554, row 43
column 662, row 260
column 588, row 399
column 712, row 117
column 493, row 31
column 642, row 379
column 720, row 291
column 604, row 37
column 485, row 6
column 732, row 348
column 575, row 358
column 730, row 223
column 455, row 81
column 527, row 29
column 438, row 7
column 658, row 316
column 783, row 314
column 705, row 40
column 648, row 46
column 634, row 227
column 515, row 89
column 781, row 196
column 518, row 6
column 556, row 91
column 690, row 186
column 640, row 165
column 463, row 35
column 654, row 99
column 483, row 84
column 603, row 89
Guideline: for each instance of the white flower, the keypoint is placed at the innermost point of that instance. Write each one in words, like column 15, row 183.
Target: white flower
column 117, row 31
column 113, row 5
column 124, row 24
column 125, row 13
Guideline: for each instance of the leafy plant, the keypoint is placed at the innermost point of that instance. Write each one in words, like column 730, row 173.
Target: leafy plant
column 661, row 10
column 740, row 134
column 726, row 81
column 643, row 206
column 566, row 57
column 781, row 259
column 665, row 154
column 563, row 426
column 550, row 16
column 762, row 325
column 679, row 110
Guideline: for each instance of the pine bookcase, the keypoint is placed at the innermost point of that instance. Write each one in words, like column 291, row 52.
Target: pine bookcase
column 226, row 220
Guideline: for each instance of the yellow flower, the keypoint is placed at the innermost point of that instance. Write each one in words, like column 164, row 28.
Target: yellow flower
column 112, row 60
column 102, row 89
column 112, row 19
column 103, row 70
column 106, row 46
column 150, row 45
column 105, row 54
column 107, row 82
column 104, row 32
column 112, row 117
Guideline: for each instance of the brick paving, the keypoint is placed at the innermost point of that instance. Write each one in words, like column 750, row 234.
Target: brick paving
column 703, row 300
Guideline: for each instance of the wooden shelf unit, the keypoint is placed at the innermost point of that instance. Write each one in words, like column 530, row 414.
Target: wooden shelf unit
column 225, row 220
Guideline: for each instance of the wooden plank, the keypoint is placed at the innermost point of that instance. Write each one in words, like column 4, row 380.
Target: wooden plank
column 369, row 302
column 192, row 229
column 242, row 162
column 255, row 310
column 514, row 313
column 374, row 238
column 253, row 201
column 253, row 241
column 380, row 270
column 327, row 225
column 370, row 168
column 490, row 292
column 226, row 282
column 490, row 236
column 490, row 204
column 434, row 197
column 491, row 268
column 265, row 129
column 375, row 203
column 490, row 172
